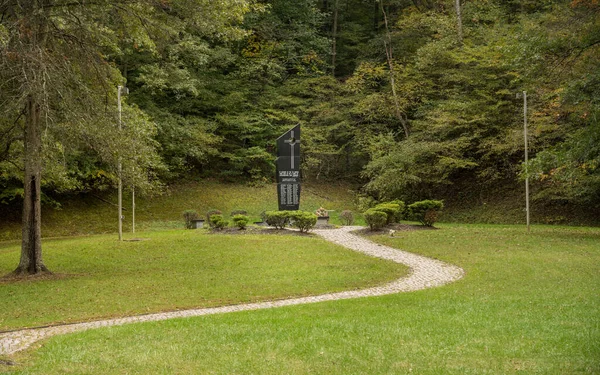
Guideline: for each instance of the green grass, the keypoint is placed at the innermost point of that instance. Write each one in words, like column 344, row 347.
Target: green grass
column 528, row 304
column 91, row 214
column 101, row 277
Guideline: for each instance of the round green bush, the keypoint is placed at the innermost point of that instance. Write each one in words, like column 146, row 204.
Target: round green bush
column 277, row 219
column 401, row 209
column 218, row 222
column 376, row 219
column 303, row 220
column 426, row 212
column 209, row 214
column 392, row 210
column 241, row 221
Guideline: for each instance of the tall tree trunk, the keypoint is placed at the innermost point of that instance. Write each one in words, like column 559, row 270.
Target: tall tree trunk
column 31, row 244
column 334, row 36
column 459, row 27
column 387, row 43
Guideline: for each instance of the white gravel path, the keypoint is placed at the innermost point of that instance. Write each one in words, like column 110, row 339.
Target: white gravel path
column 425, row 273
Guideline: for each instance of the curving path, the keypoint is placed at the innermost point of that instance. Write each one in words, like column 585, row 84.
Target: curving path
column 425, row 273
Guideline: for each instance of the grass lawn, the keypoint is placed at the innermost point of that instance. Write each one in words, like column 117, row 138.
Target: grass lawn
column 529, row 303
column 100, row 277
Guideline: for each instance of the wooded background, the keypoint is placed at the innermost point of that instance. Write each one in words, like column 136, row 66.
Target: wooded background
column 410, row 99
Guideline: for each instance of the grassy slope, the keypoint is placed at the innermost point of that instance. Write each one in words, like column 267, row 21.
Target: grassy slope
column 528, row 304
column 90, row 215
column 505, row 204
column 101, row 277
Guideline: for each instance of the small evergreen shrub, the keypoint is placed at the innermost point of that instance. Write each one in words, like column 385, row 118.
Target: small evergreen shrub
column 241, row 221
column 189, row 216
column 217, row 221
column 401, row 211
column 277, row 219
column 303, row 220
column 211, row 213
column 347, row 217
column 392, row 210
column 426, row 212
column 376, row 219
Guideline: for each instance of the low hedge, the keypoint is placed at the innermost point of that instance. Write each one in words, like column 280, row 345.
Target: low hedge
column 302, row 220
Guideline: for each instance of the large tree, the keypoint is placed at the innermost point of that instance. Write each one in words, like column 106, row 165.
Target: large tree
column 57, row 83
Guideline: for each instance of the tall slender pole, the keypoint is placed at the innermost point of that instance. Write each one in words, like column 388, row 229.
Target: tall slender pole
column 526, row 158
column 119, row 170
column 133, row 209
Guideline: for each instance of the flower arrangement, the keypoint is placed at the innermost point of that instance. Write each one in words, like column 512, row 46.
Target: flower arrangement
column 321, row 212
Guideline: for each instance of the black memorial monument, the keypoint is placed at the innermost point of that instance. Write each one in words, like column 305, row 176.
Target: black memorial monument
column 288, row 170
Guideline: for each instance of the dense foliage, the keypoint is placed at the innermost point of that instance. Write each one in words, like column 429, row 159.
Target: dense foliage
column 402, row 96
column 240, row 221
column 426, row 212
column 392, row 210
column 375, row 219
column 303, row 220
column 277, row 219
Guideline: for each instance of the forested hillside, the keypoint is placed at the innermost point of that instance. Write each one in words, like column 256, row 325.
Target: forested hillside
column 410, row 99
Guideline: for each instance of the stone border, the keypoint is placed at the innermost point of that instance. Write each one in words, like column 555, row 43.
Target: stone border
column 425, row 273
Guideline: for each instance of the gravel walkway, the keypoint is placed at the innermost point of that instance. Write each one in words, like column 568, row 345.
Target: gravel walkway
column 425, row 273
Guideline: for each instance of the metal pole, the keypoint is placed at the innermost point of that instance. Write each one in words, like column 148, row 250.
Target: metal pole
column 133, row 209
column 526, row 159
column 119, row 170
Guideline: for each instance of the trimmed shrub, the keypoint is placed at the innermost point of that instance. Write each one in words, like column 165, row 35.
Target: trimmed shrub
column 238, row 212
column 426, row 212
column 393, row 211
column 277, row 219
column 376, row 219
column 303, row 220
column 401, row 211
column 217, row 221
column 211, row 213
column 347, row 217
column 241, row 221
column 189, row 216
